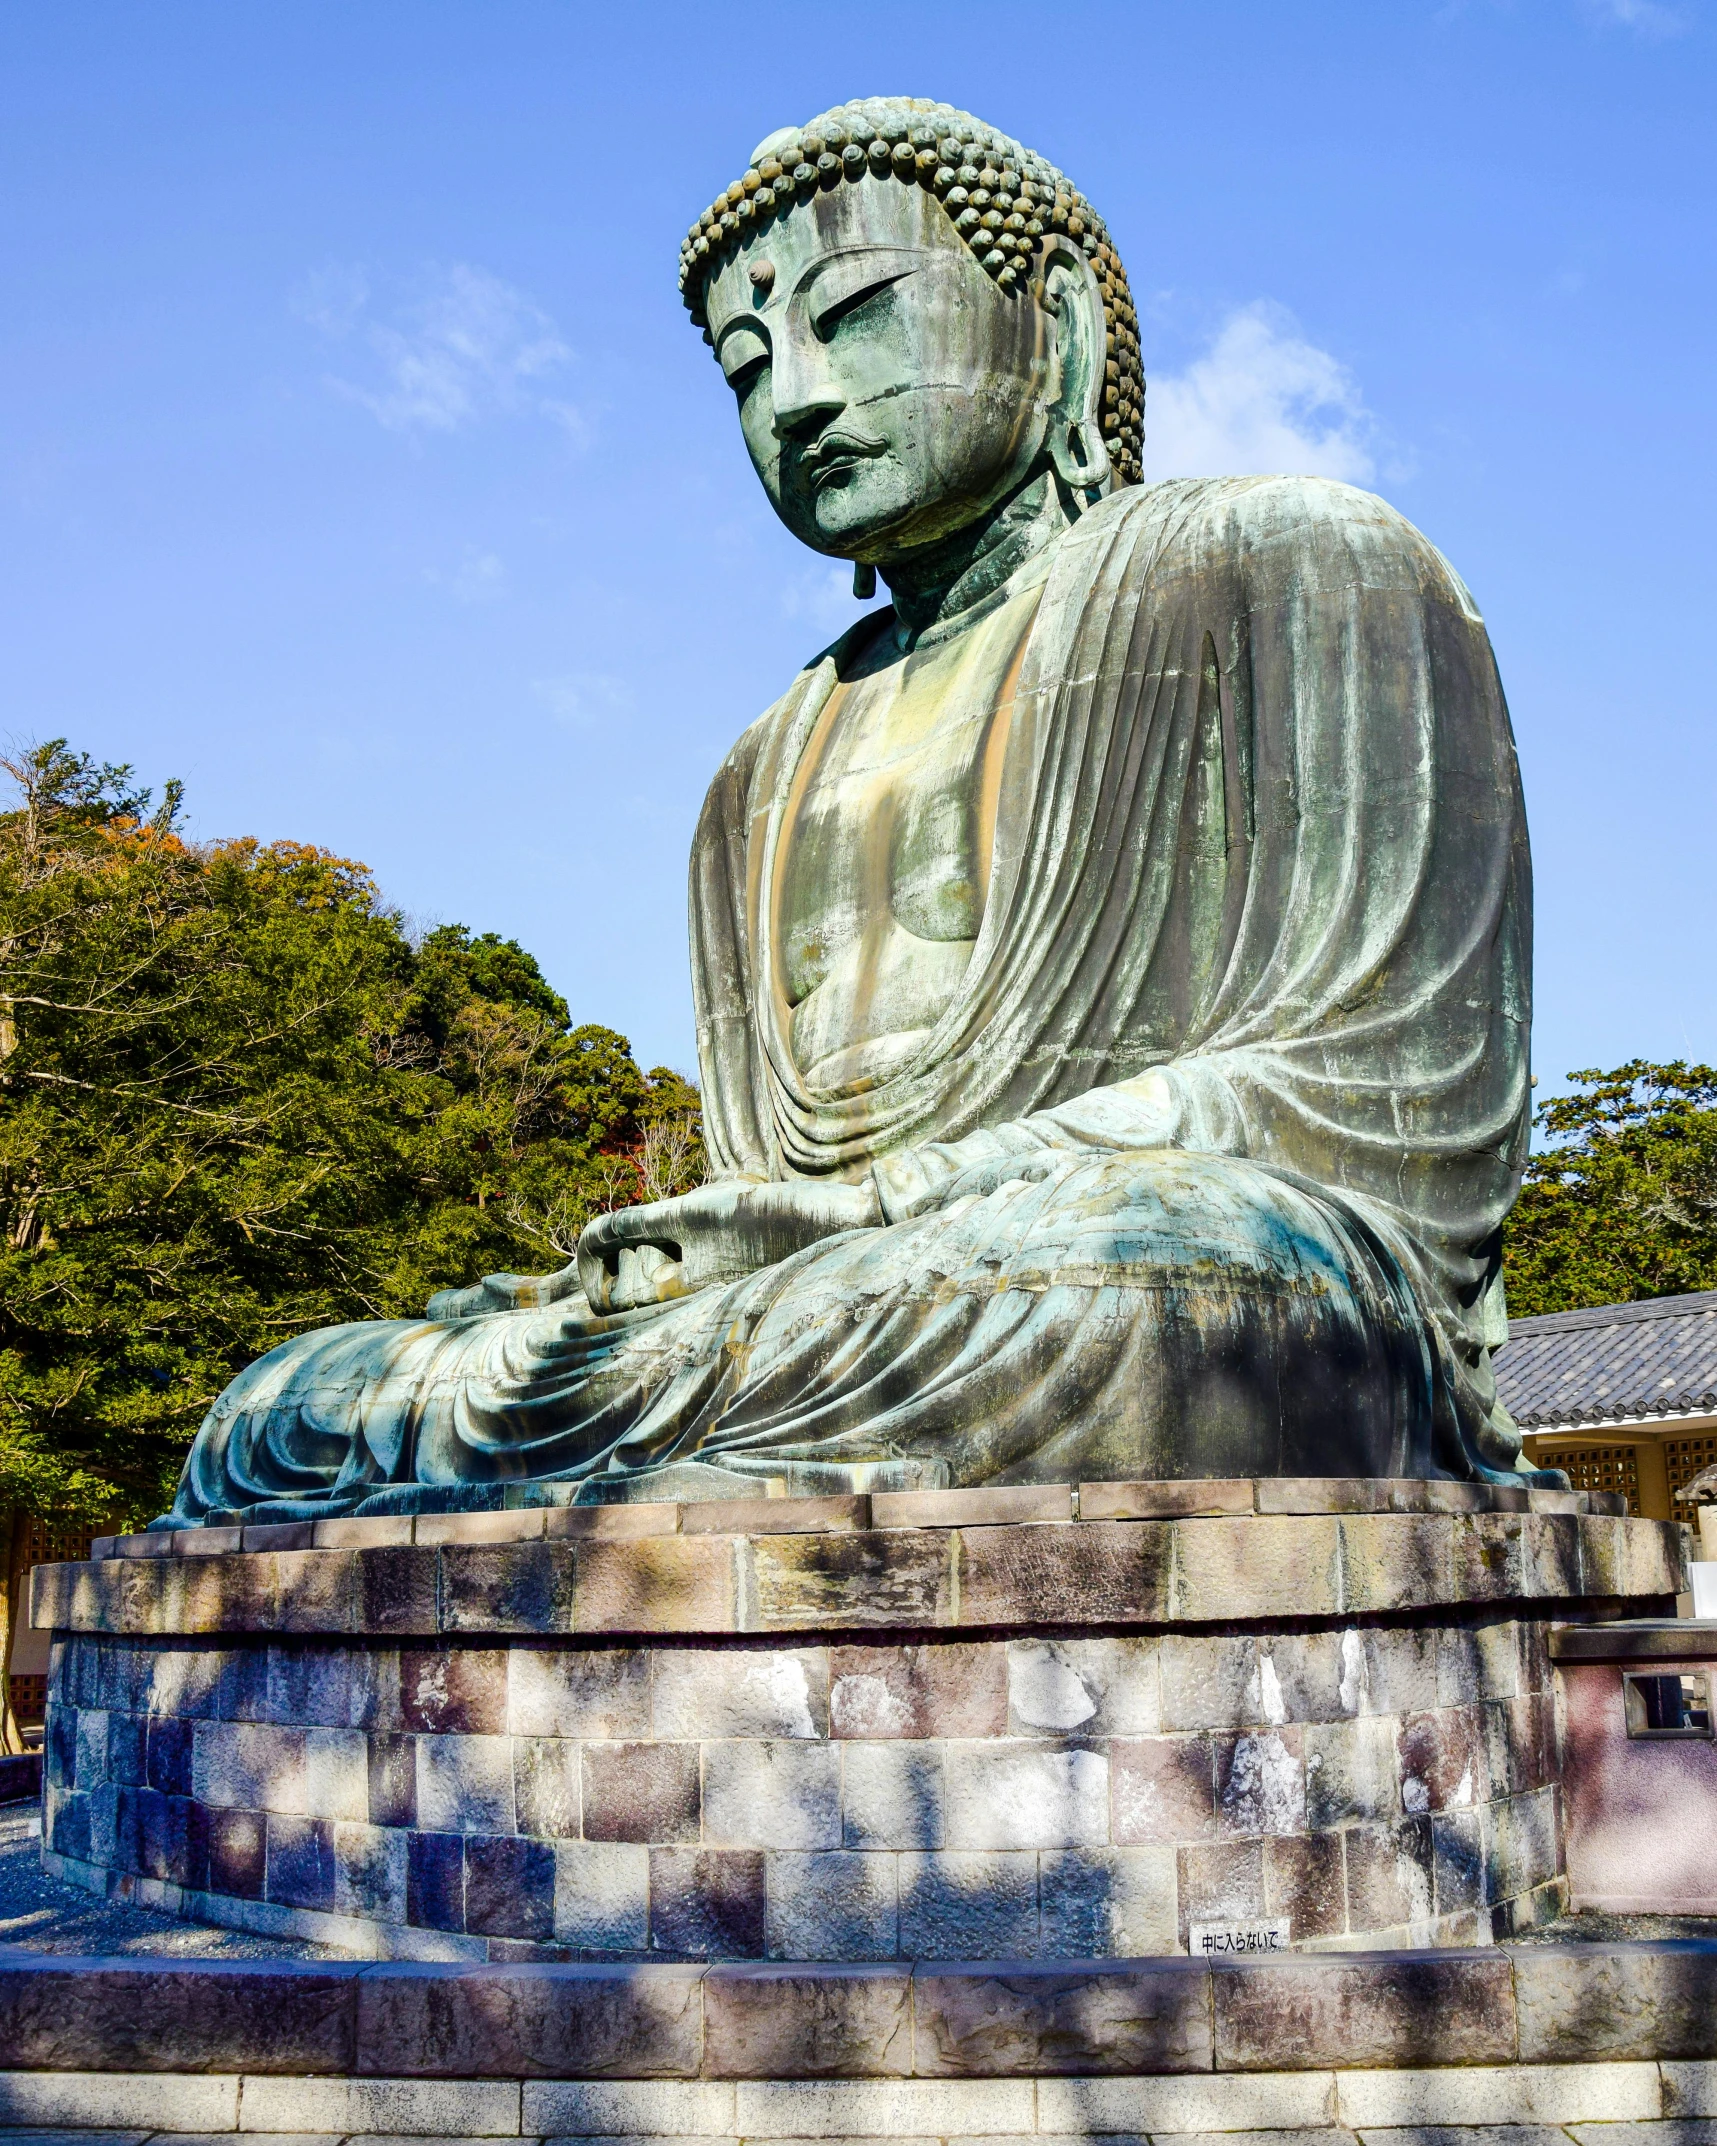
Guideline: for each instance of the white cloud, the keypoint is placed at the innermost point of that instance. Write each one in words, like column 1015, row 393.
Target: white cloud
column 1261, row 401
column 1650, row 17
column 478, row 577
column 465, row 347
column 581, row 698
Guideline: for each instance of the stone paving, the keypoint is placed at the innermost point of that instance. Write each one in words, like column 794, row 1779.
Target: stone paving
column 1685, row 2132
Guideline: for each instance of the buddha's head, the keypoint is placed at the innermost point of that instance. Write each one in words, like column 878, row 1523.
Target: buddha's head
column 918, row 317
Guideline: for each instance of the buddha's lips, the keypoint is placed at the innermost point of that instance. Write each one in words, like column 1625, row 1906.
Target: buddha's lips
column 837, row 451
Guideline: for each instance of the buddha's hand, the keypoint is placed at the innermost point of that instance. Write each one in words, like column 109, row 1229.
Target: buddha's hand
column 668, row 1248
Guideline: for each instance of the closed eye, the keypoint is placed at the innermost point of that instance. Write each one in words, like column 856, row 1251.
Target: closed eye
column 830, row 317
column 744, row 353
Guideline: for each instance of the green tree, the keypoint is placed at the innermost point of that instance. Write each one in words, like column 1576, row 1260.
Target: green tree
column 238, row 1100
column 1622, row 1202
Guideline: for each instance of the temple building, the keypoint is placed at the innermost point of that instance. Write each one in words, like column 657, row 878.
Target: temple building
column 1622, row 1396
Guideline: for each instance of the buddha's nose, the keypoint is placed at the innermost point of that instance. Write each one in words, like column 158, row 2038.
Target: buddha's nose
column 805, row 396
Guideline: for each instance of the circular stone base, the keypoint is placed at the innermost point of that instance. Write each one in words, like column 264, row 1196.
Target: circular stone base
column 1035, row 1723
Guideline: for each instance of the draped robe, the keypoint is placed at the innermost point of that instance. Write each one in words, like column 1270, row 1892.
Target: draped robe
column 1201, row 1172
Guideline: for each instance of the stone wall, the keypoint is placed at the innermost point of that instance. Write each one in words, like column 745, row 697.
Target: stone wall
column 808, row 1738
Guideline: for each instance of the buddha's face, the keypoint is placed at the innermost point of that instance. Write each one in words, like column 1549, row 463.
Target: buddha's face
column 889, row 392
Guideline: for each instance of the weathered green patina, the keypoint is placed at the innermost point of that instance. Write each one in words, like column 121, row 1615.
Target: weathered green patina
column 1112, row 959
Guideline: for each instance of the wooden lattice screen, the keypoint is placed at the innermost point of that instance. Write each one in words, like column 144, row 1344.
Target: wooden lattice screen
column 1684, row 1458
column 1599, row 1468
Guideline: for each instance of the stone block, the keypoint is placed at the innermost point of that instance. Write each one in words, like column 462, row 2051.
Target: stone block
column 1390, row 1884
column 1162, row 1789
column 392, row 1772
column 1390, row 1669
column 647, row 1792
column 944, row 1690
column 1221, row 1882
column 769, row 2022
column 546, row 1799
column 1351, row 1772
column 1094, row 1687
column 522, row 1524
column 628, row 2108
column 872, row 1580
column 777, row 1692
column 1305, row 1879
column 248, row 1765
column 238, row 1853
column 1498, row 2094
column 855, row 2109
column 1689, row 2090
column 428, row 2109
column 1584, row 2003
column 206, row 1542
column 832, row 1906
column 1016, row 1796
column 657, row 1583
column 1107, row 1903
column 1192, row 1498
column 1441, row 1761
column 594, row 1692
column 309, row 1685
column 399, row 1591
column 996, row 1507
column 1521, row 1841
column 508, row 1587
column 336, row 1774
column 375, row 1690
column 1457, row 1861
column 162, row 2015
column 510, row 2022
column 509, row 1886
column 776, row 1516
column 281, row 1535
column 143, row 1544
column 465, row 1784
column 772, row 1793
column 118, row 2101
column 370, row 1872
column 87, row 1731
column 435, row 1880
column 382, row 1532
column 1021, row 2021
column 707, row 1902
column 317, row 1591
column 1304, row 1677
column 1171, row 2105
column 609, row 1523
column 1336, row 2012
column 1102, row 1571
column 1209, row 1680
column 301, row 1863
column 892, row 1795
column 449, row 1690
column 959, row 1906
column 127, row 1749
column 1260, row 1783
column 602, row 1895
column 1259, row 1568
column 1393, row 1561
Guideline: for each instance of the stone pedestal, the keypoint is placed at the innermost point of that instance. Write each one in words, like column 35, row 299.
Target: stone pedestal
column 1033, row 1724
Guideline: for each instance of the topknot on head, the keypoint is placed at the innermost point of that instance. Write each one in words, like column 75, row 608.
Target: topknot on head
column 1003, row 201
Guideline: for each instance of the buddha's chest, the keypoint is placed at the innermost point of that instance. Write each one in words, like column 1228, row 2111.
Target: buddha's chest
column 883, row 866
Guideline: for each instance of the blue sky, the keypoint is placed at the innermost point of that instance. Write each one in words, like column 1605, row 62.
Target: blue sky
column 357, row 463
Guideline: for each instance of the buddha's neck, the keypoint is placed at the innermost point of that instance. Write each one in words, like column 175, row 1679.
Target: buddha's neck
column 944, row 579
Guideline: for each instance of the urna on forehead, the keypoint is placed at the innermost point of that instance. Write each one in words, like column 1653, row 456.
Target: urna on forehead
column 1004, row 201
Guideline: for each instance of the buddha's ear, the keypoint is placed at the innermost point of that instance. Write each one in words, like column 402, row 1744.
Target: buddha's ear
column 1073, row 298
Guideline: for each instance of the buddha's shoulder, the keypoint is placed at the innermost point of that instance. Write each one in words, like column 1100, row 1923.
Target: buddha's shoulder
column 1273, row 528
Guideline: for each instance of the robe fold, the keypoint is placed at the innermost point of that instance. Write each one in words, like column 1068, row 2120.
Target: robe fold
column 1203, row 1169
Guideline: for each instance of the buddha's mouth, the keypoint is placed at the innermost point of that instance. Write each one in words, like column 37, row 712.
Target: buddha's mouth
column 837, row 454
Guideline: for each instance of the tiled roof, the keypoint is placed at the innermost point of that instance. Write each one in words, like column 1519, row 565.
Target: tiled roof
column 1656, row 1358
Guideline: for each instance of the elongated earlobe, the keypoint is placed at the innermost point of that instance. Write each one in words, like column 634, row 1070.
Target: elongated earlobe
column 1075, row 437
column 864, row 581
